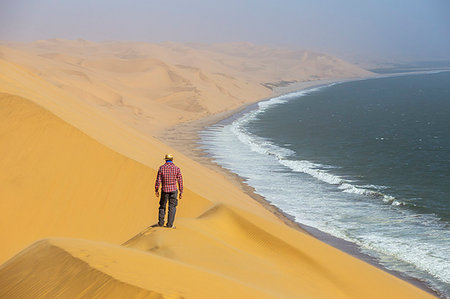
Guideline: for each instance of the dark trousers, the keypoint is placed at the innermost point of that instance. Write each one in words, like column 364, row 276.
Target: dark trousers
column 170, row 197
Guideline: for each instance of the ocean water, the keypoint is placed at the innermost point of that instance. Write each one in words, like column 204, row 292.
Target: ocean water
column 367, row 161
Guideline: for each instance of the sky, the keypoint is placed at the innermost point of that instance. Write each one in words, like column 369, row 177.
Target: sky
column 390, row 29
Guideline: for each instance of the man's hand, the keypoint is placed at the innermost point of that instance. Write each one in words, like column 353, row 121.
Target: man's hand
column 157, row 193
column 181, row 195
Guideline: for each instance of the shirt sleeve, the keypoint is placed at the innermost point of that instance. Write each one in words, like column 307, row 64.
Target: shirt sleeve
column 158, row 180
column 180, row 180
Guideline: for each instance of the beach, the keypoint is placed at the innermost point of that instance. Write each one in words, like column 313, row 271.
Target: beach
column 83, row 133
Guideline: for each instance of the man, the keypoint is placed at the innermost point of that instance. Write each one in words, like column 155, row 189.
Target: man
column 168, row 176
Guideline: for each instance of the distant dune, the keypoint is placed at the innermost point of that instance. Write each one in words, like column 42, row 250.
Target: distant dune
column 133, row 81
column 78, row 161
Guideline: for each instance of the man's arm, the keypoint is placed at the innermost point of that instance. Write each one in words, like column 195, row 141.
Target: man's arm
column 180, row 182
column 157, row 182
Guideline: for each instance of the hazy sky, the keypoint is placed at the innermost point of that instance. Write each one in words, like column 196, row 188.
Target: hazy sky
column 417, row 29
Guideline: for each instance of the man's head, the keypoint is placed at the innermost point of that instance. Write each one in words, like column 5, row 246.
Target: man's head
column 168, row 157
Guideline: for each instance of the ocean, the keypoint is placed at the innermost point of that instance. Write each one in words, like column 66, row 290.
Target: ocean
column 367, row 161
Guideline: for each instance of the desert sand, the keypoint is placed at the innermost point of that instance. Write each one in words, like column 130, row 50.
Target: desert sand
column 81, row 127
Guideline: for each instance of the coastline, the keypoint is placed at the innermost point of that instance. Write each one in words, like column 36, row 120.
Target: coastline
column 189, row 145
column 184, row 137
column 79, row 139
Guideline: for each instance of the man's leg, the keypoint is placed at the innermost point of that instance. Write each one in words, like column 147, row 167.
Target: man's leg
column 173, row 202
column 162, row 207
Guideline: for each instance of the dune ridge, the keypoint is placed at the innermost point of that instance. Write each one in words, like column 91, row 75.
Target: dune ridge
column 79, row 161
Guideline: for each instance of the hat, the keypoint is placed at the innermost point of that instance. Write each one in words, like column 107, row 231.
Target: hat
column 168, row 157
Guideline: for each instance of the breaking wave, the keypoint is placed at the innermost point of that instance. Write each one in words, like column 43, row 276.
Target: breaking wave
column 316, row 170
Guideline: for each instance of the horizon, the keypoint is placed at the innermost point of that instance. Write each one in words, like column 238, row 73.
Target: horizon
column 400, row 30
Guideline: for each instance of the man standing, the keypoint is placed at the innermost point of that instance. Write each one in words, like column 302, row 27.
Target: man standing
column 168, row 176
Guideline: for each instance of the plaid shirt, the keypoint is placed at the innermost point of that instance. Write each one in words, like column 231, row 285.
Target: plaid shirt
column 168, row 176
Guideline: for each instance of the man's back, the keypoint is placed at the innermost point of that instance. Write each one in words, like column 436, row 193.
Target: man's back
column 168, row 176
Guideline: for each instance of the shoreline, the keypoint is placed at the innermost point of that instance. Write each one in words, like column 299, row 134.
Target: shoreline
column 189, row 145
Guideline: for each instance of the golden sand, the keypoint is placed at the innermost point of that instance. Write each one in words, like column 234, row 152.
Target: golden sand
column 78, row 161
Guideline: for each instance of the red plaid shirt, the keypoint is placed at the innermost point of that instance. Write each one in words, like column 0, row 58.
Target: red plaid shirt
column 168, row 176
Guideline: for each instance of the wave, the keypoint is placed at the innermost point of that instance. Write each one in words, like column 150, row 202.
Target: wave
column 282, row 154
column 314, row 170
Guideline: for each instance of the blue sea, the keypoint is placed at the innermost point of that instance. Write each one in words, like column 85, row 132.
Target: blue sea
column 367, row 161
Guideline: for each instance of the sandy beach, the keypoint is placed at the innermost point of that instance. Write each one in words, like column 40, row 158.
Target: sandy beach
column 83, row 129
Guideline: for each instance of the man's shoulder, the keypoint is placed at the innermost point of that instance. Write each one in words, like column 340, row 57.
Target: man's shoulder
column 169, row 165
column 176, row 168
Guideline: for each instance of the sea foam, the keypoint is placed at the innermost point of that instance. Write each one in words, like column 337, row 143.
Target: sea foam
column 318, row 171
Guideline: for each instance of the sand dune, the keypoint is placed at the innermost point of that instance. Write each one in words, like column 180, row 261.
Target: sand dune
column 78, row 161
column 60, row 182
column 93, row 269
column 132, row 81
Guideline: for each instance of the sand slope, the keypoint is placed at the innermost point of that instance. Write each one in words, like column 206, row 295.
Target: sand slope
column 92, row 269
column 57, row 181
column 76, row 187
